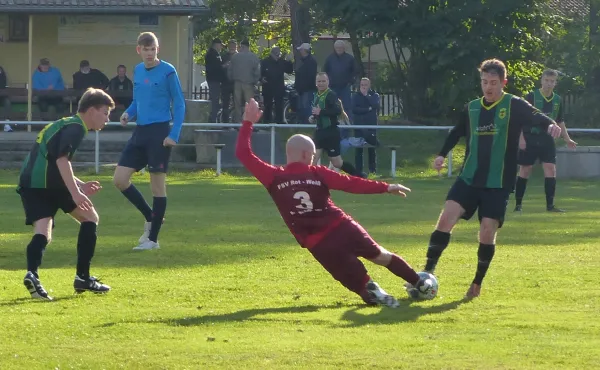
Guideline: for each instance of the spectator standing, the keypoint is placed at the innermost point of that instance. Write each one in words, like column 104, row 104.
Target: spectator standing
column 215, row 76
column 365, row 105
column 341, row 70
column 227, row 85
column 272, row 71
column 244, row 71
column 306, row 73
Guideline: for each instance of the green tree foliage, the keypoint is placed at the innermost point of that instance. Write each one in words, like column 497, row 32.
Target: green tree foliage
column 435, row 46
column 239, row 20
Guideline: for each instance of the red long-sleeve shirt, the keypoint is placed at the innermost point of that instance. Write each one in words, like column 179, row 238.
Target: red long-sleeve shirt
column 301, row 192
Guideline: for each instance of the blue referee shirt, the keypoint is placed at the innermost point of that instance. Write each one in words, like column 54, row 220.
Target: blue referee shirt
column 154, row 90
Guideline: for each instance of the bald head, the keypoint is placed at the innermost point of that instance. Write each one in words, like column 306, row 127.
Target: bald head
column 300, row 148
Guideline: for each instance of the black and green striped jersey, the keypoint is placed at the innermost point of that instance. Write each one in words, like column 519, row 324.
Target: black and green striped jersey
column 492, row 133
column 551, row 106
column 58, row 139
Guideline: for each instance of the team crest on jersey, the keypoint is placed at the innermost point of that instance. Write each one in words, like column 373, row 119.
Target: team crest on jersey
column 502, row 113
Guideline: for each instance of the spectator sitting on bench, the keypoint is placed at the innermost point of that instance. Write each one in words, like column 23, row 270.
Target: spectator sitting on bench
column 47, row 78
column 4, row 101
column 88, row 77
column 121, row 83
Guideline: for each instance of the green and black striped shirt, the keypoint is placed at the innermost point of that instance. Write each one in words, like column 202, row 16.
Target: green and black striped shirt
column 56, row 140
column 492, row 133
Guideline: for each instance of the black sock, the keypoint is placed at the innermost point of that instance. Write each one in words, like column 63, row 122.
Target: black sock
column 437, row 243
column 159, row 208
column 349, row 169
column 35, row 252
column 86, row 245
column 137, row 199
column 520, row 189
column 550, row 188
column 485, row 254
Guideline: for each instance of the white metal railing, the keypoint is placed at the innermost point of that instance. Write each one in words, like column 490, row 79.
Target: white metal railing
column 274, row 126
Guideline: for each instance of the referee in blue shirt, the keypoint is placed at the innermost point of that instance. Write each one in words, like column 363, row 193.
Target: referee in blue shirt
column 156, row 92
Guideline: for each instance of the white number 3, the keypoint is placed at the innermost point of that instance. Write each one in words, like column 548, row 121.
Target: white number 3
column 305, row 203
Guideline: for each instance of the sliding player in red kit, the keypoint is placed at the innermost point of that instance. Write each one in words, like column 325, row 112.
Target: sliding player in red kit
column 301, row 193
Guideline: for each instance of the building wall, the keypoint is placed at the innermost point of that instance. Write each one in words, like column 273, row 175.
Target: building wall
column 14, row 55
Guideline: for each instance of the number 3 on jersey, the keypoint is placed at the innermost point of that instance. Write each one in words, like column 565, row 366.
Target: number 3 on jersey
column 305, row 204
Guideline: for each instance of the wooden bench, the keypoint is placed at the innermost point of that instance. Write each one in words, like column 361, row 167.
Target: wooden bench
column 218, row 147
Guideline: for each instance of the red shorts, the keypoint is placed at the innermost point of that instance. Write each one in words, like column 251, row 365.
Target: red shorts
column 339, row 250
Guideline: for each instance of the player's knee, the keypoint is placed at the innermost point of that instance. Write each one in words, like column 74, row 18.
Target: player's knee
column 121, row 182
column 525, row 171
column 337, row 161
column 487, row 231
column 549, row 170
column 383, row 259
column 449, row 218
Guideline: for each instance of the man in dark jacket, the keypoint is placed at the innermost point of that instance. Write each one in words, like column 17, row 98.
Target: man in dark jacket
column 306, row 73
column 227, row 85
column 121, row 83
column 365, row 105
column 272, row 70
column 89, row 77
column 341, row 69
column 215, row 76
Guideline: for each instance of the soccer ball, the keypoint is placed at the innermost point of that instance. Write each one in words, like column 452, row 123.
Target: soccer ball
column 431, row 293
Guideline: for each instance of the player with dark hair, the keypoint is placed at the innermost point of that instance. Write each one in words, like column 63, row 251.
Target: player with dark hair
column 301, row 193
column 156, row 88
column 47, row 184
column 491, row 126
column 325, row 112
column 536, row 144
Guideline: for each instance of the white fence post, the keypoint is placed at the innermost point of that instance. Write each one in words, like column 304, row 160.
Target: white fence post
column 273, row 144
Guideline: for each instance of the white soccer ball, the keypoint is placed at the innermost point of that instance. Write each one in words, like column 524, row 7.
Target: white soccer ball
column 431, row 279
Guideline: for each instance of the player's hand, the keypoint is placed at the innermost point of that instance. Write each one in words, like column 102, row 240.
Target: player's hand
column 571, row 144
column 169, row 142
column 82, row 201
column 252, row 111
column 90, row 188
column 554, row 130
column 398, row 189
column 316, row 111
column 438, row 163
column 311, row 119
column 124, row 119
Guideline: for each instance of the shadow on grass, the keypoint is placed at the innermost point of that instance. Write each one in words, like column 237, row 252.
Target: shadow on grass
column 23, row 301
column 408, row 311
column 351, row 318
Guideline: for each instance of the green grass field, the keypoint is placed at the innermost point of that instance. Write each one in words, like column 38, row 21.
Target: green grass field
column 230, row 288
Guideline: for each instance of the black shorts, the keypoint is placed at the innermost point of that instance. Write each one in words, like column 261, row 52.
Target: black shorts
column 490, row 203
column 329, row 140
column 44, row 203
column 145, row 147
column 540, row 147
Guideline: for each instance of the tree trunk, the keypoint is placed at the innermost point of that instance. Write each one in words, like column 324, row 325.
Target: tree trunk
column 357, row 53
column 300, row 17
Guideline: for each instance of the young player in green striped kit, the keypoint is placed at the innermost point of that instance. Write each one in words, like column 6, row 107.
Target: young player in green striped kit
column 491, row 126
column 536, row 144
column 47, row 184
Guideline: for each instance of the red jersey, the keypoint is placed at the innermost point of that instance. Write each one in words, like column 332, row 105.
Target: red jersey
column 301, row 192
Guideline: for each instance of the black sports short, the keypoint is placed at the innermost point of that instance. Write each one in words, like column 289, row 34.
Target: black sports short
column 329, row 140
column 43, row 203
column 145, row 147
column 490, row 203
column 539, row 147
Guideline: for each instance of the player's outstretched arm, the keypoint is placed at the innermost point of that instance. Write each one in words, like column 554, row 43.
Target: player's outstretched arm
column 532, row 116
column 351, row 184
column 263, row 172
column 458, row 131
